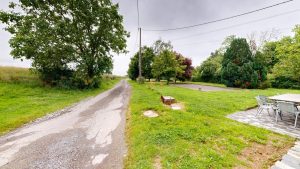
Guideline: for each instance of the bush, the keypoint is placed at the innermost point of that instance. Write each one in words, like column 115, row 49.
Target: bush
column 285, row 82
column 264, row 85
column 108, row 77
column 210, row 69
column 140, row 80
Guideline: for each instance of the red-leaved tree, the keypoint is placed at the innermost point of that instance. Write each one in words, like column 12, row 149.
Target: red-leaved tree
column 186, row 63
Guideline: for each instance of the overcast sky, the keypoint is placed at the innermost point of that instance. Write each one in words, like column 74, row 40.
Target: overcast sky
column 196, row 43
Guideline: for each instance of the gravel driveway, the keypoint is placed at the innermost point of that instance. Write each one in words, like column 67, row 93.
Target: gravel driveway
column 89, row 135
column 204, row 87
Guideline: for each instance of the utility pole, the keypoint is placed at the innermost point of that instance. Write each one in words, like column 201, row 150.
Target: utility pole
column 140, row 78
column 140, row 54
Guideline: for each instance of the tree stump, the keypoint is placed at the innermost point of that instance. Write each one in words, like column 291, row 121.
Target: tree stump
column 168, row 100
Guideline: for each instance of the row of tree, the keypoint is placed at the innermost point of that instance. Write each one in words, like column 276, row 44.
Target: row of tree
column 161, row 62
column 245, row 64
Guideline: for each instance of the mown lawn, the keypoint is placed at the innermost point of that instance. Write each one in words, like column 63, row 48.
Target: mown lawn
column 199, row 136
column 23, row 99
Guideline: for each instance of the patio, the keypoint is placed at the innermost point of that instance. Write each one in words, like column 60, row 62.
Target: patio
column 285, row 126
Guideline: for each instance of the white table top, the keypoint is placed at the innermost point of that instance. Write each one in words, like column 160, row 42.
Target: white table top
column 287, row 97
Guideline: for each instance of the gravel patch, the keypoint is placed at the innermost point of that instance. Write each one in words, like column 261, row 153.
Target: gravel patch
column 150, row 113
column 176, row 106
column 204, row 88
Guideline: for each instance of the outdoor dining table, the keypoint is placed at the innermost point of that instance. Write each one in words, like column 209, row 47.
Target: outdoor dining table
column 292, row 98
column 295, row 98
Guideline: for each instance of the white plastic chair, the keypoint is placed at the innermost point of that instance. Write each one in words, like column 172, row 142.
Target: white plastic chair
column 263, row 104
column 287, row 107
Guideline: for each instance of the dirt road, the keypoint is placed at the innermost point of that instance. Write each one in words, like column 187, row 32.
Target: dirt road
column 89, row 135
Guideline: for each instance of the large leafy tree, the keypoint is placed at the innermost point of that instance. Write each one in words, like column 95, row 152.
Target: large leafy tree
column 210, row 69
column 238, row 66
column 166, row 66
column 147, row 61
column 288, row 53
column 226, row 44
column 160, row 46
column 186, row 65
column 269, row 55
column 66, row 39
column 260, row 65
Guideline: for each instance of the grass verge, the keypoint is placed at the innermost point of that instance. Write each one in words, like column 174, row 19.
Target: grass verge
column 200, row 136
column 22, row 102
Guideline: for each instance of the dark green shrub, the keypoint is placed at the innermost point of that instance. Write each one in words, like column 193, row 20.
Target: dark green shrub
column 240, row 68
column 285, row 82
column 264, row 85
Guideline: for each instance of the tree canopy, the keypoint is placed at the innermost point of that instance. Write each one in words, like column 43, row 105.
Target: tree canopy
column 160, row 46
column 68, row 41
column 160, row 61
column 210, row 69
column 240, row 68
column 186, row 66
column 147, row 61
column 165, row 65
column 288, row 55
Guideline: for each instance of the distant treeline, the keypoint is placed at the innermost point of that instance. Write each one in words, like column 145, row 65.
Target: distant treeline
column 248, row 64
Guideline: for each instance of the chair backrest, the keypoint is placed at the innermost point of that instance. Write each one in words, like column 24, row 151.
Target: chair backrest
column 287, row 107
column 261, row 100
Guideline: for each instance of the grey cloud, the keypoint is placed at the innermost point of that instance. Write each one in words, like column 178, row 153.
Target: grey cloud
column 161, row 14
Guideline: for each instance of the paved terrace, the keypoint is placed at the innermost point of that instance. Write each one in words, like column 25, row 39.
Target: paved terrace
column 285, row 126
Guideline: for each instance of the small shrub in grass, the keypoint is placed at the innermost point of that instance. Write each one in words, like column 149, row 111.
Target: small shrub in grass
column 140, row 80
column 264, row 85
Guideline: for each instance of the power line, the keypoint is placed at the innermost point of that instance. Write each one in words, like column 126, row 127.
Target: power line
column 237, row 25
column 219, row 20
column 220, row 40
column 202, row 42
column 215, row 41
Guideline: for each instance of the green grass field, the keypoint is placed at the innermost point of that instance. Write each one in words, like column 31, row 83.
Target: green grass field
column 22, row 99
column 200, row 136
column 18, row 75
